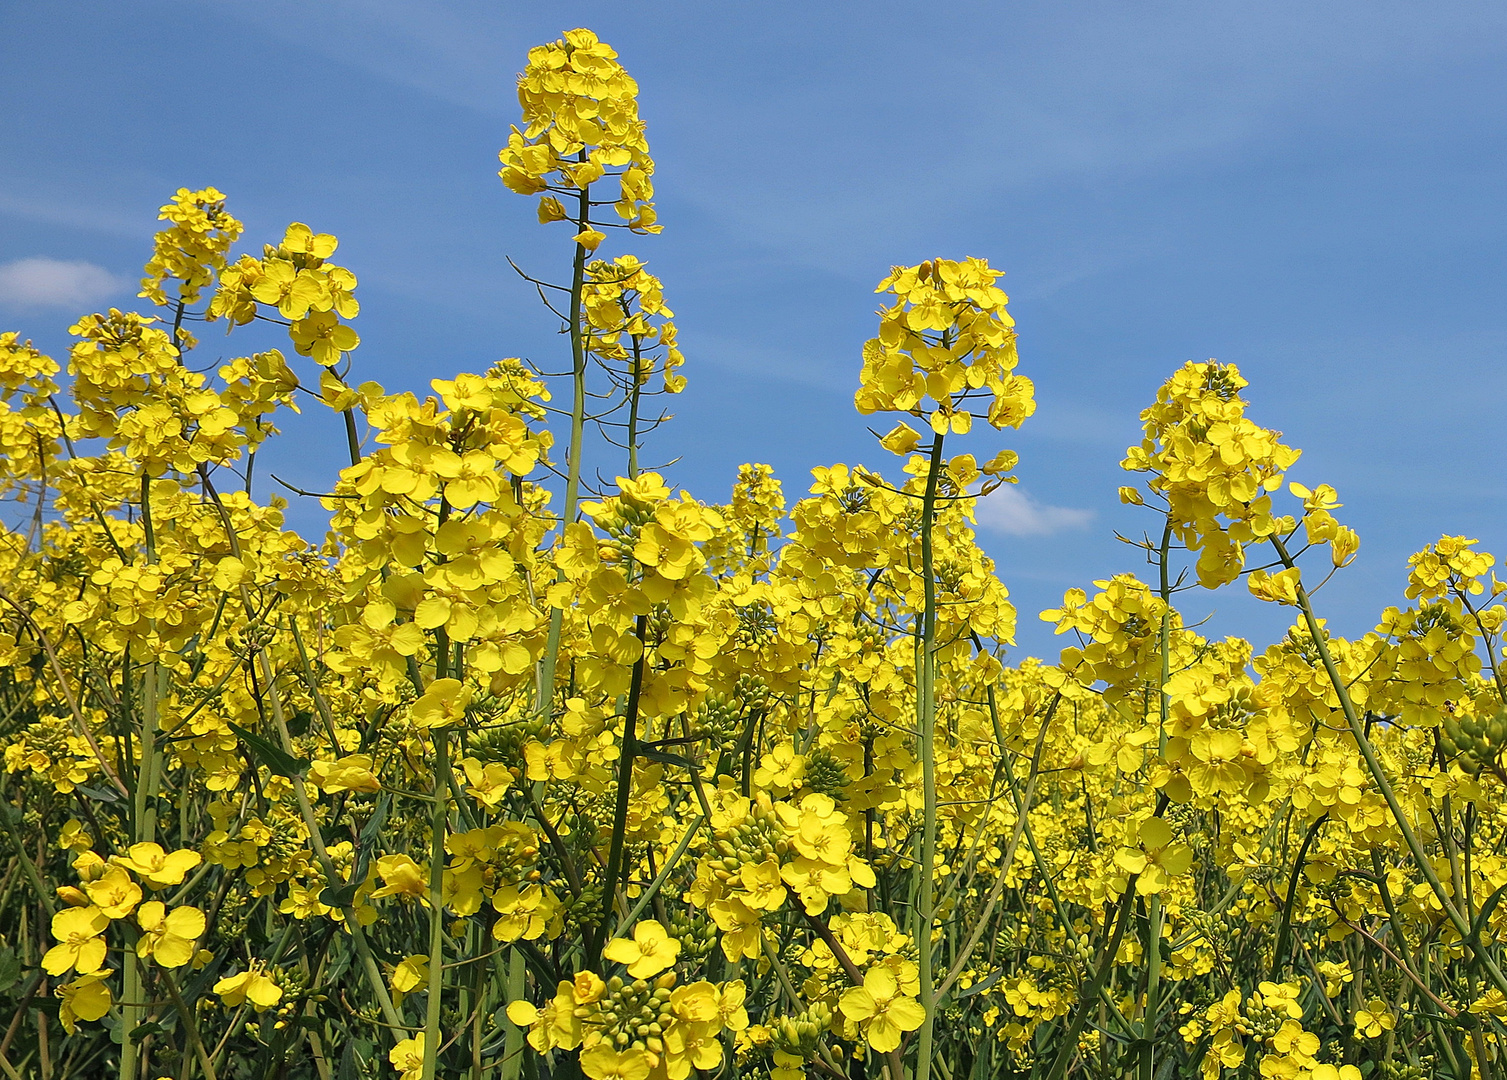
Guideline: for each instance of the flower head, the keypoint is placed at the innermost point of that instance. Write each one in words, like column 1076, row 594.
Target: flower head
column 650, row 951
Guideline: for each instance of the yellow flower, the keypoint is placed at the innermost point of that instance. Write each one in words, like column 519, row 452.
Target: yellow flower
column 1334, row 1072
column 602, row 1062
column 695, row 1001
column 590, row 239
column 1279, row 588
column 80, row 945
column 409, row 975
column 192, row 248
column 881, row 1009
column 321, row 336
column 250, row 985
column 349, row 773
column 85, row 998
column 408, row 1057
column 901, row 439
column 168, row 938
column 692, row 1045
column 443, row 703
column 1156, row 859
column 554, row 1026
column 650, row 952
column 730, row 1010
column 402, row 877
column 781, row 768
column 487, row 782
column 114, row 893
column 73, row 836
column 1336, row 974
column 1374, row 1020
column 763, row 888
column 158, row 868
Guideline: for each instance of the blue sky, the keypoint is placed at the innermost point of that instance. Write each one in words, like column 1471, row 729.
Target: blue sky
column 1312, row 191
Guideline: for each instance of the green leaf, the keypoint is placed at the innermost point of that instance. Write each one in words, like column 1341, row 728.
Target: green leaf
column 276, row 760
column 664, row 757
column 10, row 968
column 99, row 794
column 341, row 897
column 979, row 988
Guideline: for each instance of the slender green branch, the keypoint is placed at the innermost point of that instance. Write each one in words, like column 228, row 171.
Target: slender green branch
column 626, row 755
column 439, row 820
column 926, row 723
column 546, row 689
column 1379, row 776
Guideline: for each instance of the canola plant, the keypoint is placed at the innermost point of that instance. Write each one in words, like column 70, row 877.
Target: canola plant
column 512, row 775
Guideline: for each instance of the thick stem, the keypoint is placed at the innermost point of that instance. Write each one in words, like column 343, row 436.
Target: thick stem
column 634, row 396
column 513, row 1047
column 439, row 822
column 926, row 722
column 352, row 440
column 546, row 690
column 143, row 805
column 624, row 790
column 1154, row 905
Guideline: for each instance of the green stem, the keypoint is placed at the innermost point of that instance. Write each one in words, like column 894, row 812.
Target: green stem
column 1379, row 777
column 513, row 1047
column 659, row 879
column 1284, row 926
column 1090, row 993
column 143, row 805
column 352, row 440
column 439, row 821
column 1154, row 905
column 634, row 396
column 187, row 1015
column 45, row 896
column 926, row 722
column 546, row 691
column 624, row 790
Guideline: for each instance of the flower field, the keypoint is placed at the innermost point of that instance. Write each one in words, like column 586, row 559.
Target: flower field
column 517, row 774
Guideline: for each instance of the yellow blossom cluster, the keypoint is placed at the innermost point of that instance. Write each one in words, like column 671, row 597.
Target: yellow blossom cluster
column 1214, row 467
column 949, row 340
column 580, row 114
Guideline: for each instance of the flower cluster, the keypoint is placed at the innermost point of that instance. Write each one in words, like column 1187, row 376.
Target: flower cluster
column 580, row 114
column 949, row 341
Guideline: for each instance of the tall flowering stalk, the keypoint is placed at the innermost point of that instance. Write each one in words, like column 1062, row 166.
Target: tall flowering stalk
column 581, row 127
column 945, row 347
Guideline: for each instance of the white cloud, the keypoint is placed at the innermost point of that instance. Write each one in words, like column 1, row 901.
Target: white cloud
column 43, row 282
column 1014, row 512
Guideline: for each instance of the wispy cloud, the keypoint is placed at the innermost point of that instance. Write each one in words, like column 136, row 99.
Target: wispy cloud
column 460, row 53
column 46, row 283
column 1015, row 512
column 777, row 365
column 71, row 213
